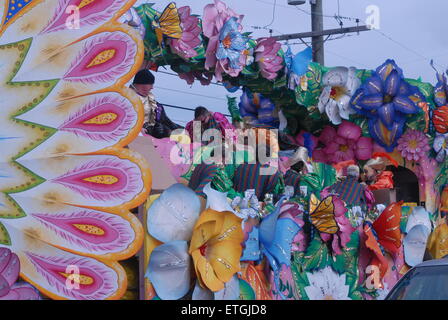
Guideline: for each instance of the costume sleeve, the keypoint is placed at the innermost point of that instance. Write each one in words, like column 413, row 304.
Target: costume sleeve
column 166, row 120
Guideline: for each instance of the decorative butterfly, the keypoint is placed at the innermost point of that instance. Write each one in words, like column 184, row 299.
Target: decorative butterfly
column 276, row 237
column 168, row 24
column 322, row 214
column 384, row 235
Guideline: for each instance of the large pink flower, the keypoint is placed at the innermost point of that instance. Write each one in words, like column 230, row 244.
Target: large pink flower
column 413, row 145
column 9, row 274
column 343, row 144
column 266, row 56
column 214, row 18
column 185, row 46
column 345, row 227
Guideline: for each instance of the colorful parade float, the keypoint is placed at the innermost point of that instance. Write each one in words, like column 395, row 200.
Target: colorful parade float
column 75, row 163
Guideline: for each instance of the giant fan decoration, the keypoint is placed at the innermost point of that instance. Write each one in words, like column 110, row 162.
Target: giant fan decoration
column 67, row 183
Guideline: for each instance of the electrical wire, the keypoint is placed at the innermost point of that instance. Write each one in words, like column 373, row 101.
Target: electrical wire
column 404, row 46
column 273, row 15
column 183, row 108
column 190, row 93
column 176, row 75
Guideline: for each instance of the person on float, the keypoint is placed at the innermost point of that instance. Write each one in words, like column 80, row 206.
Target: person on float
column 375, row 174
column 350, row 190
column 209, row 120
column 157, row 123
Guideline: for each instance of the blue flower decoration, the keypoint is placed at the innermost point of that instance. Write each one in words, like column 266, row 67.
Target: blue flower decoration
column 276, row 237
column 258, row 110
column 386, row 99
column 231, row 43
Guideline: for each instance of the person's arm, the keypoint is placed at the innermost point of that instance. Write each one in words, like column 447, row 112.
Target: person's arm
column 167, row 121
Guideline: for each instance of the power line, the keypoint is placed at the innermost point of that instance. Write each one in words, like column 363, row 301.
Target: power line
column 176, row 75
column 184, row 108
column 193, row 94
column 403, row 46
column 273, row 15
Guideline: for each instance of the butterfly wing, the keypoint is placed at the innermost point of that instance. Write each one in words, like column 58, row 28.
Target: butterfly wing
column 301, row 60
column 169, row 23
column 322, row 215
column 379, row 260
column 387, row 227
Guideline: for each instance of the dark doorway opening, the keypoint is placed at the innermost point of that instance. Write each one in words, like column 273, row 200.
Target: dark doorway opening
column 405, row 184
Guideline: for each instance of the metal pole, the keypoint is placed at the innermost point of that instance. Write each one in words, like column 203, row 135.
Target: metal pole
column 317, row 25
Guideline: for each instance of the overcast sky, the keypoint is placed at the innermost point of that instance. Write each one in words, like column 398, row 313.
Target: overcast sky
column 412, row 32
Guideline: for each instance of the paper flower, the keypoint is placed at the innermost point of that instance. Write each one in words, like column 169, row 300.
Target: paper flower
column 413, row 145
column 231, row 46
column 296, row 66
column 257, row 110
column 266, row 57
column 225, row 46
column 247, row 207
column 440, row 146
column 326, row 284
column 169, row 270
column 440, row 115
column 339, row 85
column 386, row 98
column 216, row 248
column 9, row 273
column 343, row 144
column 441, row 91
column 307, row 140
column 173, row 215
column 185, row 46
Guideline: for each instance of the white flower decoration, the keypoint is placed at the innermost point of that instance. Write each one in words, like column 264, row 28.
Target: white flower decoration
column 441, row 146
column 326, row 284
column 339, row 84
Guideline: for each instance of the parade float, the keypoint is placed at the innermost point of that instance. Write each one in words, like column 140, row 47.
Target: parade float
column 70, row 174
column 292, row 245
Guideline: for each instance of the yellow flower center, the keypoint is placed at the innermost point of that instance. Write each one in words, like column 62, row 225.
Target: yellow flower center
column 337, row 92
column 202, row 249
column 388, row 98
column 227, row 42
column 413, row 144
column 343, row 148
column 328, row 297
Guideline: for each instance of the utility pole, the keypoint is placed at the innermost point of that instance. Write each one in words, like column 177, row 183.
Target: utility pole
column 317, row 34
column 317, row 26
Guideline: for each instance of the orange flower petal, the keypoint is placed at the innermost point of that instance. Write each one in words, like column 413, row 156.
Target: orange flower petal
column 225, row 257
column 205, row 271
column 231, row 229
column 202, row 235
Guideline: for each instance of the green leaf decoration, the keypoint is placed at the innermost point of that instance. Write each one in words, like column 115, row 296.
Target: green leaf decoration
column 4, row 236
column 246, row 291
column 316, row 256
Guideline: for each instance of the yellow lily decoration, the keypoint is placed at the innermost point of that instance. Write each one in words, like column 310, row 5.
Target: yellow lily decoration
column 438, row 242
column 216, row 248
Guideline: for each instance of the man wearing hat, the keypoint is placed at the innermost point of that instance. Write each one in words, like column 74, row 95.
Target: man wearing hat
column 157, row 123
